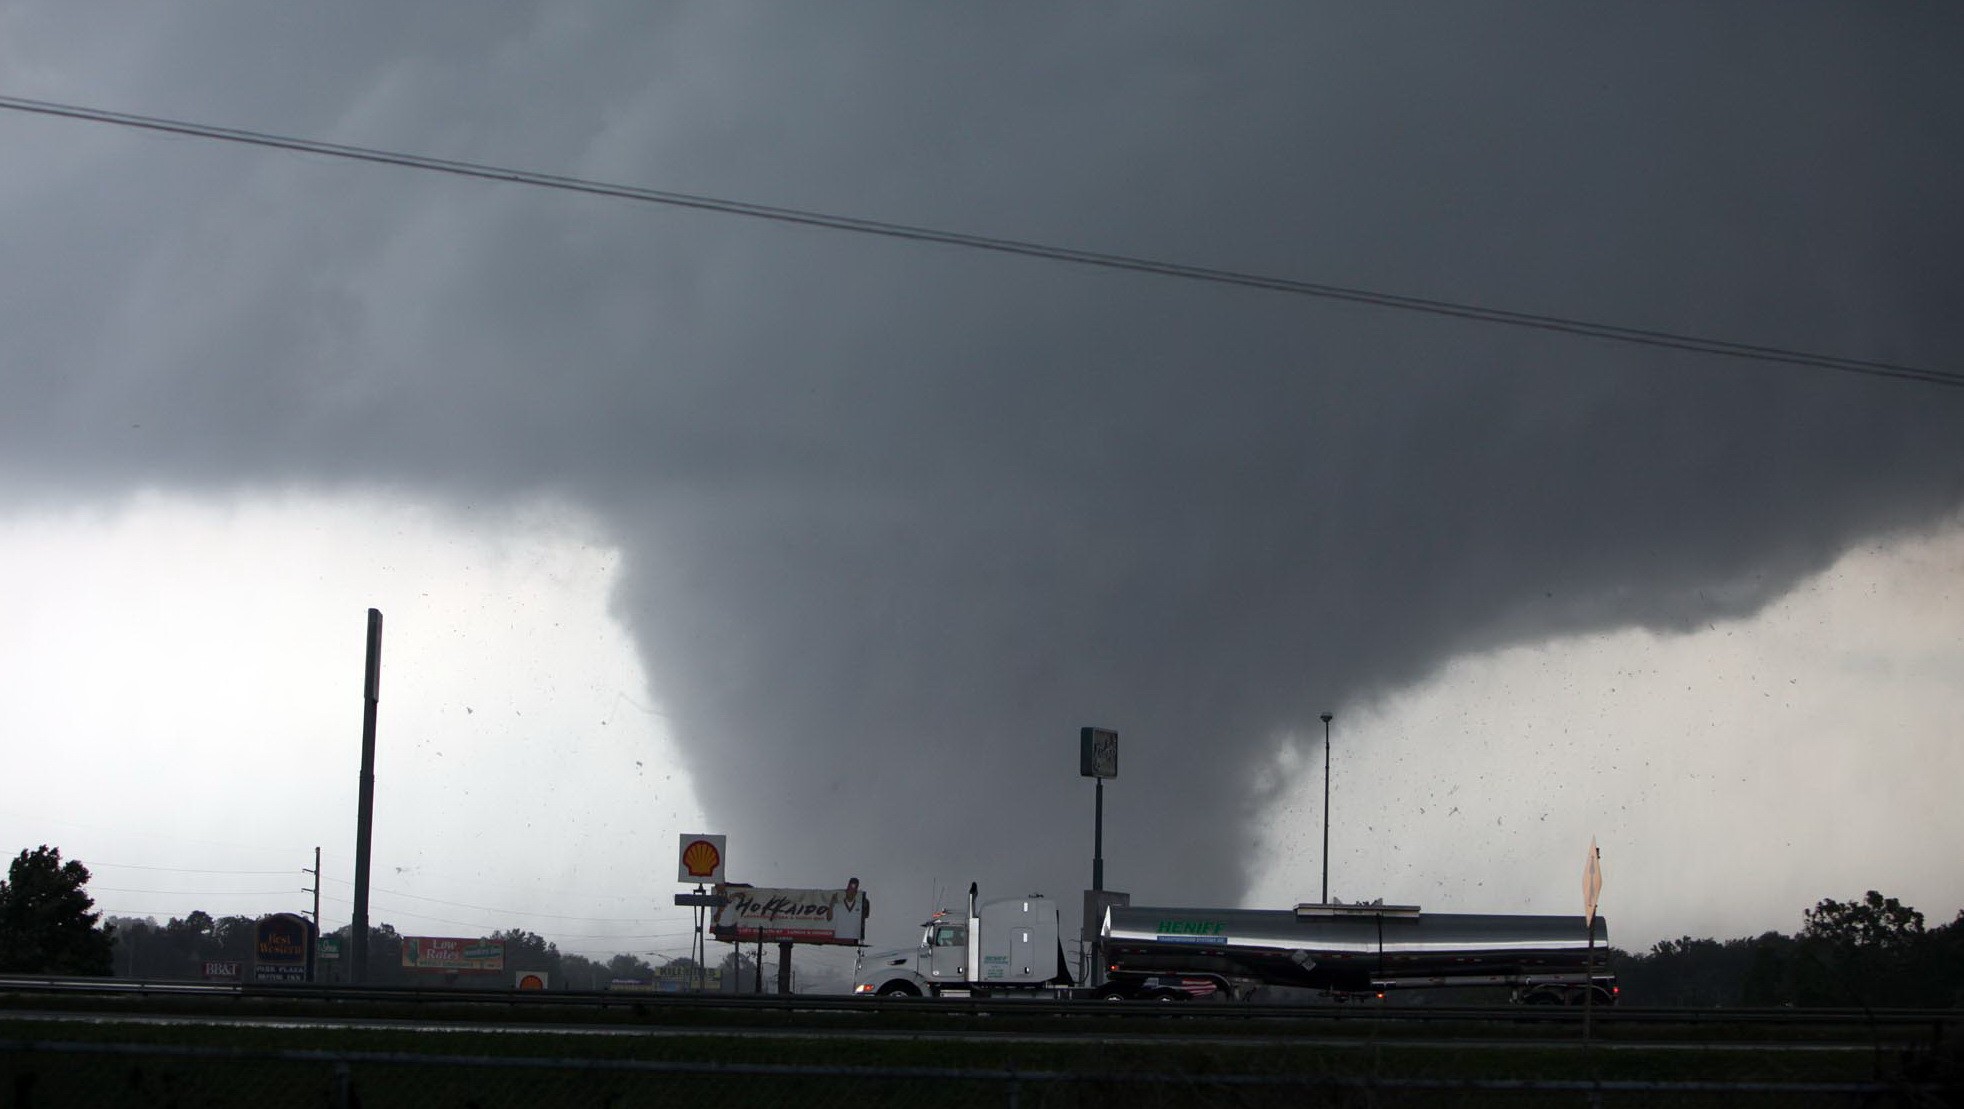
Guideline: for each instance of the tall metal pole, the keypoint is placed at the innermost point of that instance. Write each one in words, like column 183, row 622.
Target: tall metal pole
column 1098, row 841
column 365, row 811
column 1326, row 807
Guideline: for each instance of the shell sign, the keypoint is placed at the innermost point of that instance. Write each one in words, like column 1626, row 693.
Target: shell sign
column 701, row 859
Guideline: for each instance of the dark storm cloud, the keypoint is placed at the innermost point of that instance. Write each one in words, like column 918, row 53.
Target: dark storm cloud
column 902, row 518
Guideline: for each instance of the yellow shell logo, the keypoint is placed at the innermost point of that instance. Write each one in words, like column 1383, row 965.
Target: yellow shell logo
column 700, row 859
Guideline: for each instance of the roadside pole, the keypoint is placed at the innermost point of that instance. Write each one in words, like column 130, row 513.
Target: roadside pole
column 1592, row 888
column 365, row 805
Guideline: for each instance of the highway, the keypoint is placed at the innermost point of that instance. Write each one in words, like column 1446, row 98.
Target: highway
column 223, row 1038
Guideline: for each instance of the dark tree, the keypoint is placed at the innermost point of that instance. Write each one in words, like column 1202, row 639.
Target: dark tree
column 47, row 922
column 577, row 972
column 1867, row 952
column 1694, row 973
column 1875, row 922
column 631, row 966
column 528, row 950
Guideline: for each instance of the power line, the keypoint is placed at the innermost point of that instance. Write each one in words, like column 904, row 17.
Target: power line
column 189, row 870
column 93, row 888
column 479, row 924
column 500, row 909
column 500, row 887
column 915, row 233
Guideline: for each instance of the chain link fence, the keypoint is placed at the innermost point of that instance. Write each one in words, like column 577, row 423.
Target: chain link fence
column 54, row 1074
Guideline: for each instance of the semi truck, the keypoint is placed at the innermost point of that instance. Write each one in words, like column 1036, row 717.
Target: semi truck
column 1013, row 946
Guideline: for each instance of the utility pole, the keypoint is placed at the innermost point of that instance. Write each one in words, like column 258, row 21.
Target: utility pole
column 365, row 807
column 316, row 891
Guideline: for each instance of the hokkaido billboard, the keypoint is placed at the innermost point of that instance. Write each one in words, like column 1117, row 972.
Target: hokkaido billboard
column 791, row 916
column 440, row 953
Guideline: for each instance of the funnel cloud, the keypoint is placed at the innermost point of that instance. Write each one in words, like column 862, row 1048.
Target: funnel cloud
column 899, row 518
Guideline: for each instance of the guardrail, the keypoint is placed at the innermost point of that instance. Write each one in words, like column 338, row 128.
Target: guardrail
column 1943, row 1023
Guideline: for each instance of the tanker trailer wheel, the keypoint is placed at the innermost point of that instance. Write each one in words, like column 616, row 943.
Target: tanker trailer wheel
column 898, row 989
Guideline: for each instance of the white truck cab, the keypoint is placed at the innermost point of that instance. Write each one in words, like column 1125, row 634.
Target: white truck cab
column 1007, row 945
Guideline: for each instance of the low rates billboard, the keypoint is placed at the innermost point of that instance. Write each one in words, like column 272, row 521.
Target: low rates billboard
column 441, row 953
column 792, row 915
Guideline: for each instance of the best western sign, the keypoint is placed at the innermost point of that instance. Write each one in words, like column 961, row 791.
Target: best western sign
column 282, row 949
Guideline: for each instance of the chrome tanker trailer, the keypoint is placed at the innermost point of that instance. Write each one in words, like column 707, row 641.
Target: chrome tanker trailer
column 1355, row 950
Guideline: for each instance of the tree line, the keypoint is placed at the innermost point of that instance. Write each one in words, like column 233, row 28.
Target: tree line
column 1872, row 951
column 49, row 925
column 180, row 948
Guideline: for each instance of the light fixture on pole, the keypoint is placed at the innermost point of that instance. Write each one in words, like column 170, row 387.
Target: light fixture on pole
column 1326, row 807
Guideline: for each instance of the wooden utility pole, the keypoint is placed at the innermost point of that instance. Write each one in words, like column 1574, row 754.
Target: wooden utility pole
column 315, row 889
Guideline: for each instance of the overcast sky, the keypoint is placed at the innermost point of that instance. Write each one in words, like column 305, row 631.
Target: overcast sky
column 684, row 522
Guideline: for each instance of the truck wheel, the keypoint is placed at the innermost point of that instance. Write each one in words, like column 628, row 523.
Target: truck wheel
column 898, row 989
column 1114, row 993
column 1172, row 995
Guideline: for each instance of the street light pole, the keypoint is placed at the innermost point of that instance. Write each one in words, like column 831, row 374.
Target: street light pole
column 1326, row 807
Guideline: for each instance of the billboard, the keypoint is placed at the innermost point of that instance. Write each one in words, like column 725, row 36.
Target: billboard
column 443, row 953
column 674, row 978
column 1097, row 753
column 282, row 949
column 792, row 916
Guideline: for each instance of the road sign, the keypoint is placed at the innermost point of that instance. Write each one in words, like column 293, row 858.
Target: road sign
column 1592, row 883
column 1097, row 753
column 701, row 860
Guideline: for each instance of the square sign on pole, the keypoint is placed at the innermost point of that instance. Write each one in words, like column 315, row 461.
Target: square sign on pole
column 701, row 860
column 1097, row 753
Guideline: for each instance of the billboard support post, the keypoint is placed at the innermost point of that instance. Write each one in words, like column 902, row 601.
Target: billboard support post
column 701, row 952
column 1098, row 838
